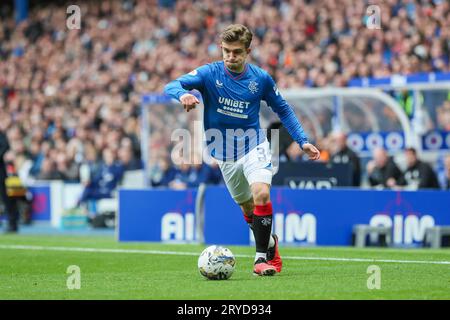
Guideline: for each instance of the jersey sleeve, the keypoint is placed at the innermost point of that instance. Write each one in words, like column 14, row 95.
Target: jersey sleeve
column 287, row 116
column 192, row 80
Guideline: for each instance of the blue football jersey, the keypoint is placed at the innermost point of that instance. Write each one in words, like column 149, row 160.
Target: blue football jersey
column 231, row 107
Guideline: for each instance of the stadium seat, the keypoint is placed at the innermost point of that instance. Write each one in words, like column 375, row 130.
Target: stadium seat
column 131, row 179
column 362, row 230
column 434, row 235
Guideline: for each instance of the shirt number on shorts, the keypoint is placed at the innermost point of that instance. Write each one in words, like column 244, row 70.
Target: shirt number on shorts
column 261, row 154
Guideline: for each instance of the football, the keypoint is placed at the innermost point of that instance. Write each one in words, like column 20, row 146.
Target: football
column 216, row 263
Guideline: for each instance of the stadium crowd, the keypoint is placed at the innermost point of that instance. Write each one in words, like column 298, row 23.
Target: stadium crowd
column 69, row 98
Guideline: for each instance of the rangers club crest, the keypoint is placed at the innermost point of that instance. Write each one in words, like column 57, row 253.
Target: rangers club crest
column 266, row 221
column 253, row 86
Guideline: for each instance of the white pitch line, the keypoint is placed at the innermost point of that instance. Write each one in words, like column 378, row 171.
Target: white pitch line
column 181, row 253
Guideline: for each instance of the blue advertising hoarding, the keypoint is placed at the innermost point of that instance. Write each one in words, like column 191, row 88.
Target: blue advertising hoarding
column 156, row 215
column 41, row 209
column 301, row 217
column 392, row 141
column 436, row 140
column 397, row 79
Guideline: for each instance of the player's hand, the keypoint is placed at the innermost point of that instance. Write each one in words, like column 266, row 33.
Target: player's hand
column 311, row 151
column 189, row 101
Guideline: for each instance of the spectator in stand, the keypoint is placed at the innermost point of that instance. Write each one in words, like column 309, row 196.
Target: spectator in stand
column 447, row 172
column 341, row 153
column 443, row 116
column 294, row 153
column 48, row 171
column 126, row 157
column 90, row 166
column 162, row 173
column 323, row 144
column 68, row 169
column 182, row 178
column 200, row 172
column 418, row 174
column 189, row 175
column 214, row 175
column 104, row 183
column 37, row 155
column 382, row 171
column 8, row 203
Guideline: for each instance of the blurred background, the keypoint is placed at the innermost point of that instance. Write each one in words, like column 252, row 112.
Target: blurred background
column 371, row 87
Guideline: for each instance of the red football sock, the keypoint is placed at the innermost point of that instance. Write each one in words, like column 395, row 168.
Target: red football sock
column 249, row 219
column 263, row 210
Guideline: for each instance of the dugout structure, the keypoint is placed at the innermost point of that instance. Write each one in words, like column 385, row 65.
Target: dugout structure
column 393, row 113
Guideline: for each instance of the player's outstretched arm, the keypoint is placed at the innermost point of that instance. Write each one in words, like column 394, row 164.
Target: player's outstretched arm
column 179, row 88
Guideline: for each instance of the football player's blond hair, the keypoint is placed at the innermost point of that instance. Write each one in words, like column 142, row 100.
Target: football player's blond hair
column 237, row 32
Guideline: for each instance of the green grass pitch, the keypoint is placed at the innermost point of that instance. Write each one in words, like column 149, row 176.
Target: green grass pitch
column 35, row 267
